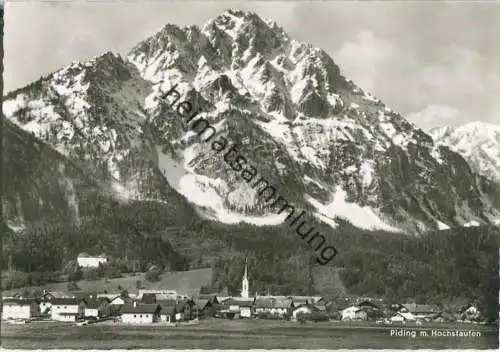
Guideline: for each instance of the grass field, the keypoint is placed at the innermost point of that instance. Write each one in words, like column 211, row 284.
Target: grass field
column 238, row 334
column 185, row 282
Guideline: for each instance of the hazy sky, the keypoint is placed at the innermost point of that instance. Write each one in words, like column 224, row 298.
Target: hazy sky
column 436, row 63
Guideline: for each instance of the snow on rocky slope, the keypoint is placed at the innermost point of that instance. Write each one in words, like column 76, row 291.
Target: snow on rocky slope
column 324, row 143
column 476, row 142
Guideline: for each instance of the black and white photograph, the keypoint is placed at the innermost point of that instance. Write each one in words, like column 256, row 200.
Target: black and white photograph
column 239, row 175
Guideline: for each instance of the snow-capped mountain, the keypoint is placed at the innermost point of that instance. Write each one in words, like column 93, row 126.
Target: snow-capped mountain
column 476, row 142
column 322, row 141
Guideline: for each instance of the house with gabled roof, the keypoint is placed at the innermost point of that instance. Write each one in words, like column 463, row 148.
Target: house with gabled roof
column 402, row 316
column 185, row 309
column 419, row 311
column 242, row 306
column 68, row 309
column 263, row 305
column 279, row 307
column 168, row 311
column 204, row 308
column 97, row 308
column 212, row 298
column 136, row 313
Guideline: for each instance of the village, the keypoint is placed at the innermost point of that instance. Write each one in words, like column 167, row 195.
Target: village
column 170, row 308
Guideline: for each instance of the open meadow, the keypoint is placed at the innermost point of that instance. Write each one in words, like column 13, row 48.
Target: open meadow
column 185, row 282
column 239, row 334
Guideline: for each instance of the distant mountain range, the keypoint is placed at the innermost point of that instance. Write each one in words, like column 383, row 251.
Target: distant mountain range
column 333, row 148
column 477, row 142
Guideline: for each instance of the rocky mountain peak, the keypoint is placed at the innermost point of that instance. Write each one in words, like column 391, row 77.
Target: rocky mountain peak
column 316, row 136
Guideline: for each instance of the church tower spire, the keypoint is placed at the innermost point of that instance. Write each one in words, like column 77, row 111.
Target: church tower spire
column 244, row 284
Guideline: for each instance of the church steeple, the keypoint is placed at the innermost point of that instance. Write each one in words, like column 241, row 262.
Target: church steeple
column 244, row 284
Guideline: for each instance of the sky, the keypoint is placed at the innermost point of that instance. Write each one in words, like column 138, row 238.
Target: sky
column 436, row 63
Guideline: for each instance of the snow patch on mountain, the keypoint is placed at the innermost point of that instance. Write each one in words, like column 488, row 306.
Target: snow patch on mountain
column 477, row 142
column 283, row 101
column 472, row 223
column 361, row 217
column 442, row 225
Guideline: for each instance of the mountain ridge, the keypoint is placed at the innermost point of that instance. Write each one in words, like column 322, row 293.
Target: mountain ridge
column 478, row 143
column 336, row 150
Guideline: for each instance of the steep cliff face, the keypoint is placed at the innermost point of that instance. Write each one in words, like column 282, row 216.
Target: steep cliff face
column 323, row 142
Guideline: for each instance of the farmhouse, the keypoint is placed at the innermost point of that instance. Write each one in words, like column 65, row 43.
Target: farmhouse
column 301, row 300
column 280, row 307
column 211, row 298
column 14, row 308
column 353, row 313
column 305, row 309
column 114, row 299
column 85, row 260
column 185, row 309
column 204, row 307
column 469, row 313
column 241, row 306
column 68, row 309
column 419, row 311
column 97, row 307
column 403, row 317
column 167, row 313
column 135, row 313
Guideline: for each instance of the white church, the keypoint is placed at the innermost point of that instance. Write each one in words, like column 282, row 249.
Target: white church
column 245, row 290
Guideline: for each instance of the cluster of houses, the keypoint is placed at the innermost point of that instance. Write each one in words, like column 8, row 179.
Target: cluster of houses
column 167, row 306
column 150, row 307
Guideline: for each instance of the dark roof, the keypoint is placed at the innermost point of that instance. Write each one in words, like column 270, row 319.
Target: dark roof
column 184, row 303
column 67, row 301
column 202, row 303
column 167, row 306
column 20, row 301
column 264, row 303
column 301, row 301
column 419, row 308
column 86, row 255
column 88, row 294
column 168, row 310
column 115, row 308
column 166, row 302
column 211, row 297
column 93, row 304
column 284, row 304
column 242, row 303
column 180, row 306
column 140, row 308
column 367, row 304
column 148, row 298
column 320, row 307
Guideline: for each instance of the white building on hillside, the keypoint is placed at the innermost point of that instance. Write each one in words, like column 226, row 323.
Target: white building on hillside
column 160, row 294
column 91, row 261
